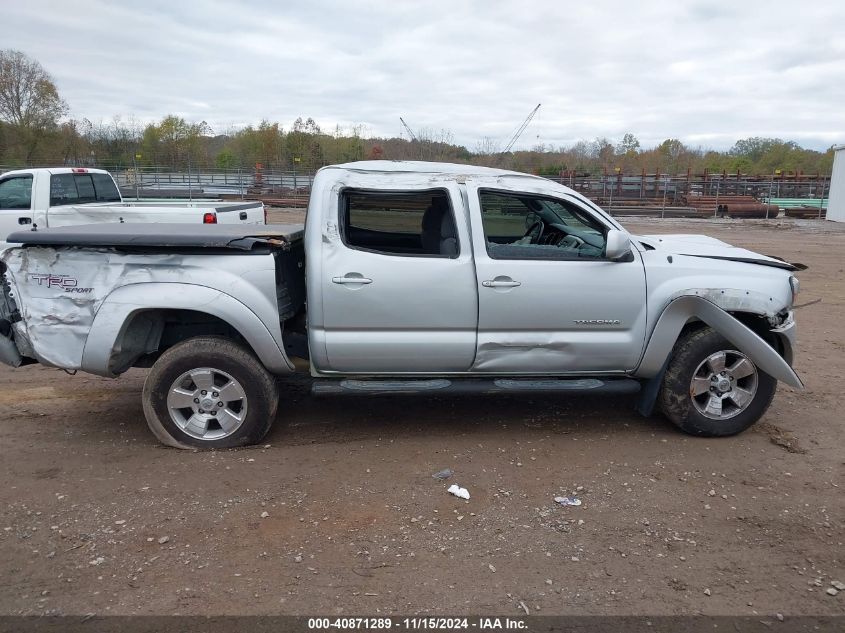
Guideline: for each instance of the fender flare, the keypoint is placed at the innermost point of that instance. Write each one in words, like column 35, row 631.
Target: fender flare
column 121, row 305
column 678, row 313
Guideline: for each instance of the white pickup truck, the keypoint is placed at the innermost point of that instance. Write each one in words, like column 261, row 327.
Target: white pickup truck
column 68, row 196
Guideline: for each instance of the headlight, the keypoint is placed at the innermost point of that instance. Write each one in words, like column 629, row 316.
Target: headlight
column 795, row 285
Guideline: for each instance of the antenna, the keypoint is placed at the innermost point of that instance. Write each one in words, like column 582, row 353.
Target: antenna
column 520, row 130
column 410, row 131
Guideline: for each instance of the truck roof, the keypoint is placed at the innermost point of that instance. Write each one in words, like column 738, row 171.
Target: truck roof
column 56, row 170
column 426, row 167
column 452, row 171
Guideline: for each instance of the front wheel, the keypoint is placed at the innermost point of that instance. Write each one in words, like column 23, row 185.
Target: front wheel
column 711, row 389
column 209, row 392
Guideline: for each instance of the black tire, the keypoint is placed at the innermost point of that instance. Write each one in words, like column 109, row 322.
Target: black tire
column 223, row 355
column 676, row 398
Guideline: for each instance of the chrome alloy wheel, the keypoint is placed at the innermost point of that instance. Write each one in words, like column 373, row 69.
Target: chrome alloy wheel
column 207, row 404
column 723, row 385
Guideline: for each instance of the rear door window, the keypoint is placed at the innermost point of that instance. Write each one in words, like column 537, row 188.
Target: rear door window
column 82, row 188
column 414, row 223
column 16, row 192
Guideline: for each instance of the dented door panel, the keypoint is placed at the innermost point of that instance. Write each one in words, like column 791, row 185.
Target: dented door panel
column 554, row 316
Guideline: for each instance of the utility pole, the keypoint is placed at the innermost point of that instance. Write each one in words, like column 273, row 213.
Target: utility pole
column 821, row 202
column 718, row 186
column 135, row 158
column 295, row 193
column 769, row 201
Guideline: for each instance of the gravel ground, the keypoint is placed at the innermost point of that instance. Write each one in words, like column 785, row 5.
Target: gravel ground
column 339, row 514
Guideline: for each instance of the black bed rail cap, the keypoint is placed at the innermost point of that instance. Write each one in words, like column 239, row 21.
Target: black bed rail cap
column 162, row 235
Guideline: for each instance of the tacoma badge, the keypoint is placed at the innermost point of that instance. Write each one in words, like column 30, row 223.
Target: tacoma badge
column 597, row 322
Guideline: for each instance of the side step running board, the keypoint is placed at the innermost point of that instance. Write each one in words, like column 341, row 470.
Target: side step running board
column 331, row 387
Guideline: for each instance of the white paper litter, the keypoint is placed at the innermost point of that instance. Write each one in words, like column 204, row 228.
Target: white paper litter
column 456, row 490
column 568, row 501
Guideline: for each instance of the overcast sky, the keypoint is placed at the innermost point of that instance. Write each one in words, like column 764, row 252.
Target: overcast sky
column 705, row 72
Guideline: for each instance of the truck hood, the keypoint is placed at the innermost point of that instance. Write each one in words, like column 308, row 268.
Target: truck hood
column 709, row 247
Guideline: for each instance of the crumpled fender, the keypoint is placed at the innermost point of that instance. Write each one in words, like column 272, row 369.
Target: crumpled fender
column 676, row 315
column 123, row 303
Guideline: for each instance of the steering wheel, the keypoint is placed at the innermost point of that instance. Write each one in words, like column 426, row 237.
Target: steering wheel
column 540, row 227
column 571, row 241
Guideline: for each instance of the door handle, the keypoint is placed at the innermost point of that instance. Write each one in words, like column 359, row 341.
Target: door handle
column 500, row 283
column 24, row 220
column 348, row 279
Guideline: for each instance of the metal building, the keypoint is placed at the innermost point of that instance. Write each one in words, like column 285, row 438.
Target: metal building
column 836, row 203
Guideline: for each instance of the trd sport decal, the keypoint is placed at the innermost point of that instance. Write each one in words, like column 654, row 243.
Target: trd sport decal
column 64, row 282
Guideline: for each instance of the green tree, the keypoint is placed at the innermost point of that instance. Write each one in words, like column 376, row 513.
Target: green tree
column 672, row 152
column 29, row 99
column 629, row 145
column 225, row 160
column 602, row 150
column 175, row 142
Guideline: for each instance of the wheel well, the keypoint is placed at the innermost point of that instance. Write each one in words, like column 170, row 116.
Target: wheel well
column 757, row 323
column 148, row 333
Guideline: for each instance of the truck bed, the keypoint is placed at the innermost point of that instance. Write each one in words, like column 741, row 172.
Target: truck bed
column 163, row 236
column 59, row 278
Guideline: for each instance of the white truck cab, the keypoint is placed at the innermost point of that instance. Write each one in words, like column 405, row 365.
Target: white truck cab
column 66, row 196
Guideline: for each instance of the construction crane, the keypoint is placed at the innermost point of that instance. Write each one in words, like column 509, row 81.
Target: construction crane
column 410, row 131
column 519, row 130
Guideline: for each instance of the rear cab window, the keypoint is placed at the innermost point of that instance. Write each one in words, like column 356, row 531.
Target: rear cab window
column 82, row 188
column 411, row 223
column 16, row 193
column 105, row 188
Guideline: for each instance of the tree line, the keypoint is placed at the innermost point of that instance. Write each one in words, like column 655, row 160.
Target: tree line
column 35, row 130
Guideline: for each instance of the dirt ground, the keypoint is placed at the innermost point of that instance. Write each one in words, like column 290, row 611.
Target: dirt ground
column 96, row 517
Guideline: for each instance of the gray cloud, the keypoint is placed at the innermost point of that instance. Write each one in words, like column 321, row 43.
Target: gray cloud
column 696, row 71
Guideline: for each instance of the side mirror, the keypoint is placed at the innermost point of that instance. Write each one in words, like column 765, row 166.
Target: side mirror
column 618, row 246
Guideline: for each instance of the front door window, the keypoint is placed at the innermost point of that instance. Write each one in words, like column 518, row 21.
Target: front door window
column 16, row 193
column 525, row 226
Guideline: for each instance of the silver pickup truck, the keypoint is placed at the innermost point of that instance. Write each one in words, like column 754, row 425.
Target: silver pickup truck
column 418, row 278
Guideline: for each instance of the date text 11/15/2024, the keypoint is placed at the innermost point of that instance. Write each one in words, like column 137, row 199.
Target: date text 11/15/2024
column 417, row 624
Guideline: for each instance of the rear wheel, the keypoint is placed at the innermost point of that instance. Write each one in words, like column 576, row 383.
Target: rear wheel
column 711, row 389
column 209, row 392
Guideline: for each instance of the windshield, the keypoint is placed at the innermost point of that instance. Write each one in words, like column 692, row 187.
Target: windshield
column 555, row 212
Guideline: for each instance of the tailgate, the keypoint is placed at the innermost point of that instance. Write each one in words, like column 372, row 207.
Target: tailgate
column 241, row 213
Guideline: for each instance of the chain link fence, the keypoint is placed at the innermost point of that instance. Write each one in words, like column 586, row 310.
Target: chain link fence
column 645, row 194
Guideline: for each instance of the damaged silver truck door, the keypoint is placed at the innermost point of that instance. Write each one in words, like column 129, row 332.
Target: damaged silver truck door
column 549, row 299
column 398, row 287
